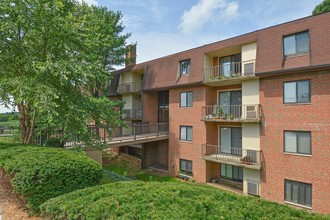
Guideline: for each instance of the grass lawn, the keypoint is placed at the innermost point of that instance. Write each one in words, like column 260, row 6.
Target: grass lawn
column 126, row 169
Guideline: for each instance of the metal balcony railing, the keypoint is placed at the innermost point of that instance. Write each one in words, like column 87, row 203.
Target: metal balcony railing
column 232, row 155
column 132, row 87
column 132, row 114
column 231, row 112
column 229, row 71
column 143, row 132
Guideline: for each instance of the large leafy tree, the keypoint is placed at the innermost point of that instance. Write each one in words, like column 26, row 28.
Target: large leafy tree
column 322, row 7
column 54, row 55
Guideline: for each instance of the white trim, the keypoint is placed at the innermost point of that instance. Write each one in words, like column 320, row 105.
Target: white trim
column 297, row 154
column 298, row 205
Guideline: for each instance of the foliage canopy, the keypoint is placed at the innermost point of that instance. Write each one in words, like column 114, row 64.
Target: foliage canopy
column 54, row 56
column 322, row 7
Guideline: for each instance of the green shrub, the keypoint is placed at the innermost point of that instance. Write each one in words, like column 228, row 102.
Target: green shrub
column 40, row 173
column 154, row 200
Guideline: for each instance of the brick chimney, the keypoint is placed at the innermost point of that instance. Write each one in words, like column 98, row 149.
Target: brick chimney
column 130, row 55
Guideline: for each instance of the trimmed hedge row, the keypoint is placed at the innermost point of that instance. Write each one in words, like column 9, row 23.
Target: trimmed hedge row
column 41, row 173
column 154, row 200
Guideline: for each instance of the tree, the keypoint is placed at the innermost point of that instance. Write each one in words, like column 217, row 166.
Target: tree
column 54, row 56
column 322, row 7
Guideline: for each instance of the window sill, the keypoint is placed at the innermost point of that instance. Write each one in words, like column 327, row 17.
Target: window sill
column 184, row 176
column 297, row 103
column 185, row 107
column 189, row 142
column 297, row 154
column 298, row 205
column 296, row 55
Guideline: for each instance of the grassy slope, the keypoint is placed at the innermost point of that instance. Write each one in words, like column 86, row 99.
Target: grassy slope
column 125, row 169
column 154, row 200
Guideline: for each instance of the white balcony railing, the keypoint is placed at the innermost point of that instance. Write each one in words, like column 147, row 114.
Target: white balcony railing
column 132, row 87
column 232, row 155
column 229, row 71
column 231, row 112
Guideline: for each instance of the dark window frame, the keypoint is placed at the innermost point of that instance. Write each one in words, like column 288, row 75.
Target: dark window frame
column 297, row 81
column 186, row 101
column 187, row 64
column 295, row 34
column 299, row 183
column 185, row 171
column 186, row 126
column 310, row 144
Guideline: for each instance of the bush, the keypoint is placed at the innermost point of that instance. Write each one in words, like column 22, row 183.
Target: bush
column 154, row 200
column 40, row 173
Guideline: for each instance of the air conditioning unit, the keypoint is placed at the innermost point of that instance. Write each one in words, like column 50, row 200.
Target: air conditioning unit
column 127, row 88
column 251, row 111
column 253, row 188
column 248, row 69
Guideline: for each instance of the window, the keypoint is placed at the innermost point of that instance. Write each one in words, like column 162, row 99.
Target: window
column 296, row 44
column 297, row 142
column 185, row 133
column 297, row 92
column 299, row 193
column 186, row 99
column 186, row 167
column 232, row 172
column 184, row 67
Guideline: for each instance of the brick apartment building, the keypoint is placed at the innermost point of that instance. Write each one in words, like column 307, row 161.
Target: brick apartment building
column 251, row 112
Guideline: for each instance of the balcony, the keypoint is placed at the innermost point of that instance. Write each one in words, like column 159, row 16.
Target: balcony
column 133, row 87
column 229, row 73
column 129, row 134
column 234, row 156
column 231, row 113
column 132, row 114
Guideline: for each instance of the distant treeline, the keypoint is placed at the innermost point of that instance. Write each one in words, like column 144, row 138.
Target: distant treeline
column 8, row 116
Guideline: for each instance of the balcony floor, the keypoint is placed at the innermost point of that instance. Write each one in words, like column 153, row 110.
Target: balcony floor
column 229, row 81
column 128, row 140
column 246, row 120
column 232, row 160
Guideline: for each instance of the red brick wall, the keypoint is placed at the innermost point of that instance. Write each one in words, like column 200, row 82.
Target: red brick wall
column 190, row 116
column 270, row 43
column 314, row 117
column 150, row 107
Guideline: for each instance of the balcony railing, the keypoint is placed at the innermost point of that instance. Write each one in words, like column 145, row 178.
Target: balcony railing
column 229, row 71
column 132, row 87
column 132, row 114
column 241, row 113
column 234, row 156
column 129, row 134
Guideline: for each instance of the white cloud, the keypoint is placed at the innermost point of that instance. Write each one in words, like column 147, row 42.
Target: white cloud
column 89, row 2
column 204, row 11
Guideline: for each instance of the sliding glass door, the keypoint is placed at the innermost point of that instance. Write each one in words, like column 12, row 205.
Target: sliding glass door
column 230, row 103
column 231, row 140
column 230, row 65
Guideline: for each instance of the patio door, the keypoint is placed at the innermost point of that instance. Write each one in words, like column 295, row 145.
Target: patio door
column 231, row 140
column 230, row 65
column 230, row 102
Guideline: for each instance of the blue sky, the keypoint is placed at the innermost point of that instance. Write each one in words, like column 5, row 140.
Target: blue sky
column 163, row 27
